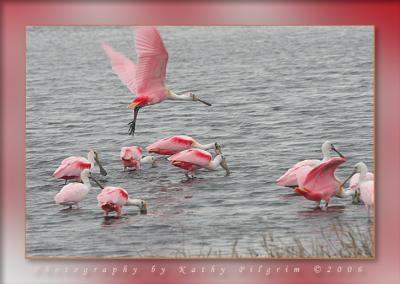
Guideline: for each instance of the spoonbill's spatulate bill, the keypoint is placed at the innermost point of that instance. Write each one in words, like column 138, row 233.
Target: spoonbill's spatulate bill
column 175, row 144
column 131, row 157
column 320, row 183
column 194, row 159
column 112, row 199
column 71, row 167
column 73, row 193
column 289, row 179
column 147, row 79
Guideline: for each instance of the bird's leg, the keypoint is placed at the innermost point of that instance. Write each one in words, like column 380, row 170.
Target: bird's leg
column 132, row 124
column 369, row 216
column 326, row 204
column 119, row 212
column 318, row 203
column 70, row 207
column 124, row 169
column 105, row 213
column 65, row 182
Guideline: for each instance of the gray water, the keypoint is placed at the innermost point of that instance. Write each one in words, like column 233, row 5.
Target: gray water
column 277, row 92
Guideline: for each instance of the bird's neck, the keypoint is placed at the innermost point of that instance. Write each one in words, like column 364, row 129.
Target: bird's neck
column 182, row 97
column 363, row 175
column 342, row 193
column 85, row 180
column 91, row 159
column 326, row 153
column 203, row 146
column 215, row 163
column 146, row 160
column 133, row 202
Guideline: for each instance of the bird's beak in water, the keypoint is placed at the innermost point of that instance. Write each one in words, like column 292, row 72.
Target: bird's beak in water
column 99, row 184
column 352, row 174
column 204, row 102
column 225, row 166
column 103, row 172
column 334, row 149
column 143, row 210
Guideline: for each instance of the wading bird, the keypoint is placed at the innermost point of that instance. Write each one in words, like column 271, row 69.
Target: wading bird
column 71, row 167
column 289, row 179
column 131, row 157
column 175, row 144
column 146, row 79
column 194, row 159
column 364, row 186
column 73, row 193
column 114, row 198
column 320, row 183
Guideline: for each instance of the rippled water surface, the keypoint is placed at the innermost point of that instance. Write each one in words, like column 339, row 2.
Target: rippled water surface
column 277, row 94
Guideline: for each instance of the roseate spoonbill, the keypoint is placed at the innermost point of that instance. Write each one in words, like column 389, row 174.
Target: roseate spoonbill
column 175, row 144
column 320, row 183
column 365, row 185
column 194, row 159
column 114, row 198
column 131, row 157
column 73, row 193
column 289, row 179
column 147, row 79
column 71, row 167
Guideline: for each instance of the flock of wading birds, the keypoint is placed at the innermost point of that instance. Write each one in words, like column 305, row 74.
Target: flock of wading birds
column 313, row 179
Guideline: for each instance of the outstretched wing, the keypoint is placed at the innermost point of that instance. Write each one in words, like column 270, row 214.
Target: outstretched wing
column 122, row 66
column 322, row 178
column 152, row 60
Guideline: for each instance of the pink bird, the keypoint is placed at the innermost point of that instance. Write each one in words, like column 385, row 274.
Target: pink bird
column 175, row 144
column 146, row 79
column 364, row 186
column 131, row 157
column 114, row 198
column 194, row 159
column 320, row 183
column 73, row 193
column 289, row 179
column 71, row 167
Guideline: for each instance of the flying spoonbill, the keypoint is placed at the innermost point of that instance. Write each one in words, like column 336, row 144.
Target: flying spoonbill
column 146, row 78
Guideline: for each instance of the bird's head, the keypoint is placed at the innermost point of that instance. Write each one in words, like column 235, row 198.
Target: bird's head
column 195, row 98
column 328, row 146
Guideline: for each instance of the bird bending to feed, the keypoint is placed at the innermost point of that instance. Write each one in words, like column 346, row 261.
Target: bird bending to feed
column 71, row 167
column 289, row 179
column 353, row 185
column 114, row 198
column 131, row 157
column 146, row 78
column 320, row 183
column 364, row 186
column 175, row 144
column 194, row 159
column 73, row 193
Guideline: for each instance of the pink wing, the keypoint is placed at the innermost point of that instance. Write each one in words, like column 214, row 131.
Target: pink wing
column 115, row 195
column 122, row 66
column 194, row 156
column 367, row 192
column 290, row 177
column 72, row 167
column 134, row 152
column 301, row 175
column 322, row 180
column 73, row 192
column 171, row 145
column 151, row 63
column 354, row 180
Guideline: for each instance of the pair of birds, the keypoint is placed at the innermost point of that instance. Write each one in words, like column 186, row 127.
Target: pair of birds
column 184, row 151
column 79, row 169
column 316, row 180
